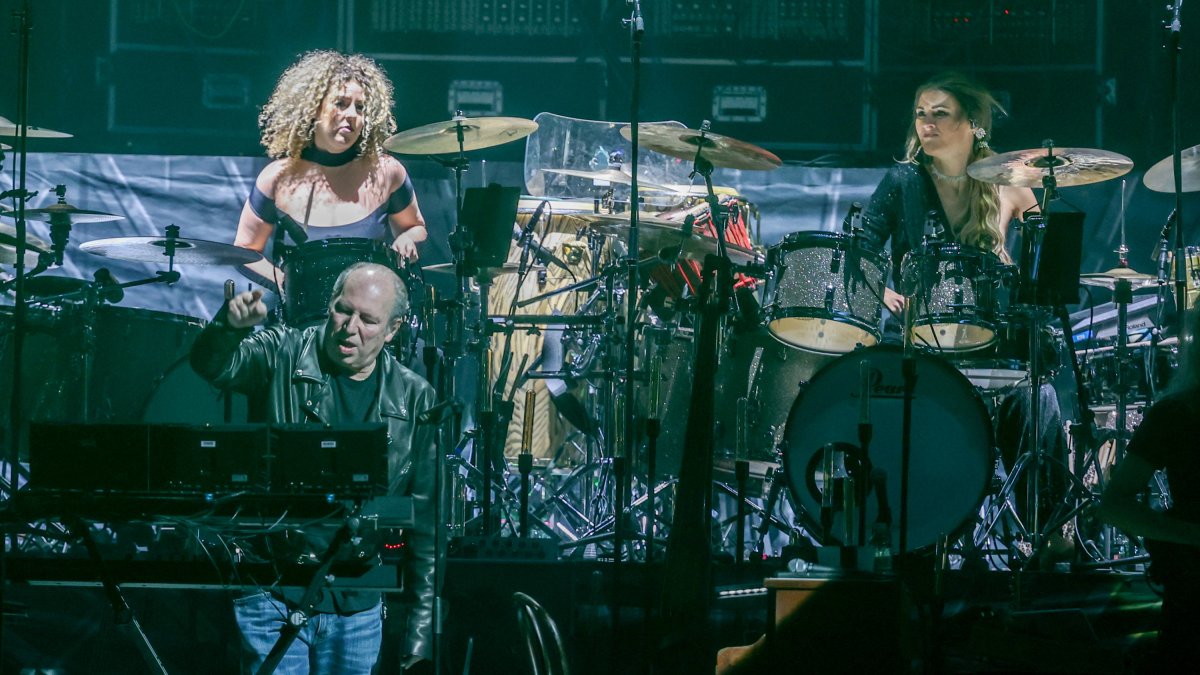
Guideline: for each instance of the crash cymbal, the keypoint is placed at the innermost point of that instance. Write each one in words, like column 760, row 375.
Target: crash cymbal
column 441, row 138
column 1161, row 176
column 1072, row 166
column 1109, row 279
column 187, row 251
column 74, row 216
column 610, row 175
column 721, row 151
column 655, row 234
column 9, row 128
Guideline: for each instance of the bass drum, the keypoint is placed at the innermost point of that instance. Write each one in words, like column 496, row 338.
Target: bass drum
column 312, row 268
column 952, row 443
column 181, row 396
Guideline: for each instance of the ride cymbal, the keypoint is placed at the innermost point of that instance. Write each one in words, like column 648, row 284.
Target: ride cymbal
column 1161, row 176
column 73, row 215
column 1072, row 166
column 721, row 151
column 655, row 234
column 1109, row 279
column 187, row 251
column 441, row 138
column 9, row 128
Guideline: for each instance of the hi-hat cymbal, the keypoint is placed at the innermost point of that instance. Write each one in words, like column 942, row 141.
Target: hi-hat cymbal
column 34, row 247
column 655, row 234
column 1109, row 279
column 73, row 215
column 441, row 138
column 187, row 251
column 1072, row 166
column 9, row 128
column 1161, row 176
column 719, row 150
column 610, row 175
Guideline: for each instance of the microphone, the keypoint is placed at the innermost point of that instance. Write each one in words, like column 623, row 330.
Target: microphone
column 110, row 289
column 533, row 220
column 437, row 413
column 855, row 209
column 428, row 317
column 801, row 566
column 883, row 514
column 864, row 392
column 543, row 255
column 933, row 228
column 293, row 230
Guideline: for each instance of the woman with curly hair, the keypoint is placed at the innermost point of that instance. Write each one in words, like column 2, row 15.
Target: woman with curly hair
column 952, row 122
column 325, row 125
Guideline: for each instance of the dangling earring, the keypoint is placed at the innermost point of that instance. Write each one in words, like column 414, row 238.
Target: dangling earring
column 980, row 134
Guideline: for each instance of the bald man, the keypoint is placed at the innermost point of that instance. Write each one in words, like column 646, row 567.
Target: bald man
column 336, row 372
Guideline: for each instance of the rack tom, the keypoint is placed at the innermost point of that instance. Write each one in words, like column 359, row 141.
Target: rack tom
column 827, row 292
column 953, row 290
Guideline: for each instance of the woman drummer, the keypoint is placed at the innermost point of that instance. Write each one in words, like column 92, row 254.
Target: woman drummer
column 952, row 122
column 325, row 125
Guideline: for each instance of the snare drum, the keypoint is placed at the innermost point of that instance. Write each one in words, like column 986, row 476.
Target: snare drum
column 951, row 432
column 827, row 292
column 953, row 290
column 312, row 268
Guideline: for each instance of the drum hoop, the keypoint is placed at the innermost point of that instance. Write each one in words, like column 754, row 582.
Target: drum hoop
column 832, row 240
column 812, row 313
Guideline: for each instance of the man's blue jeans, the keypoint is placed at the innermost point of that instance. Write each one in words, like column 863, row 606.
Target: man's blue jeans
column 328, row 643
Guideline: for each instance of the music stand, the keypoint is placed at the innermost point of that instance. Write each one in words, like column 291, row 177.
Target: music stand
column 488, row 214
column 1050, row 280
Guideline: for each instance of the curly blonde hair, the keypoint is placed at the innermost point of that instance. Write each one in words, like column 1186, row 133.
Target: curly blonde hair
column 982, row 228
column 288, row 119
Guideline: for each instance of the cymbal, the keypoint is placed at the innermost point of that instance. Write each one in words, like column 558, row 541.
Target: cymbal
column 1072, row 166
column 187, row 251
column 610, row 175
column 9, row 128
column 655, row 234
column 1109, row 279
column 506, row 268
column 75, row 216
column 441, row 138
column 1161, row 176
column 719, row 150
column 34, row 247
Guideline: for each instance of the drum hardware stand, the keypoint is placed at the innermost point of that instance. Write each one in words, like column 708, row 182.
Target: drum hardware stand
column 1174, row 31
column 123, row 616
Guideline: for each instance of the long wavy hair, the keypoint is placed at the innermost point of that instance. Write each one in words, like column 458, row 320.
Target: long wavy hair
column 982, row 228
column 288, row 119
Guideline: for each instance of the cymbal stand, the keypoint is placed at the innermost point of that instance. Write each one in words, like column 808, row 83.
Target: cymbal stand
column 453, row 351
column 621, row 460
column 1174, row 31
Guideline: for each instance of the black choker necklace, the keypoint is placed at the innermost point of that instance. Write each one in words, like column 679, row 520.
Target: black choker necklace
column 318, row 156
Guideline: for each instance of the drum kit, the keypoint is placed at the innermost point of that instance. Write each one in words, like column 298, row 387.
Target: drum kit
column 803, row 335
